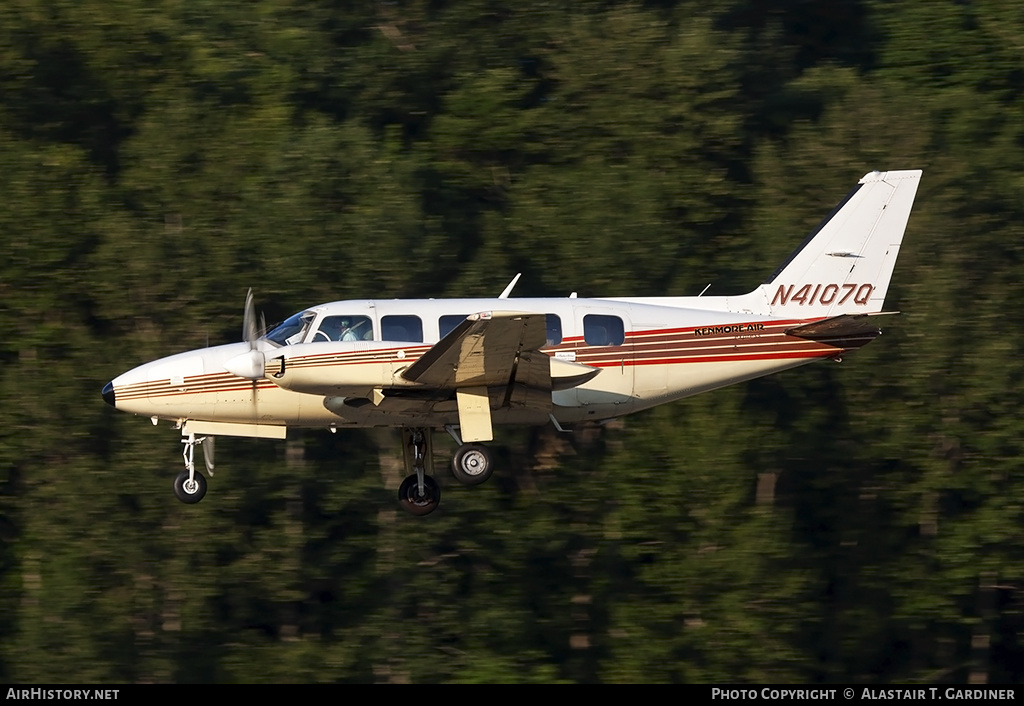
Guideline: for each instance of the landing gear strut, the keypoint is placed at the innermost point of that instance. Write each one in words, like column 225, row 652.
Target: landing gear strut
column 419, row 493
column 190, row 485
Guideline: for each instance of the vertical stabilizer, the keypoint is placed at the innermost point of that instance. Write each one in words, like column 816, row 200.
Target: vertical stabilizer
column 844, row 266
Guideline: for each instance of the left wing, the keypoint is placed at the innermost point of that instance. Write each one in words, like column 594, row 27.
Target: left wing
column 487, row 350
column 482, row 350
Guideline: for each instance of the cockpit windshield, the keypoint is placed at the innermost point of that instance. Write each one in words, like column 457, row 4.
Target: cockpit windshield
column 291, row 330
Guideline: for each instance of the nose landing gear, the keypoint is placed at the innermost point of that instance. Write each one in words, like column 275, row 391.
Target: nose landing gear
column 190, row 485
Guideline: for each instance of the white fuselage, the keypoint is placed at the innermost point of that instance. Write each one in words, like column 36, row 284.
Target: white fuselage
column 648, row 351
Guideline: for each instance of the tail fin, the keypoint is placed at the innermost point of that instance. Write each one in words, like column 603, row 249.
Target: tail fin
column 845, row 264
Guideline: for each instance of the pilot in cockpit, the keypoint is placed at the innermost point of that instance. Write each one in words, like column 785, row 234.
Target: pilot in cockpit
column 341, row 328
column 348, row 332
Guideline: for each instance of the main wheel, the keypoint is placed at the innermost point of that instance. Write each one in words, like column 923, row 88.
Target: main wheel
column 192, row 491
column 411, row 500
column 472, row 464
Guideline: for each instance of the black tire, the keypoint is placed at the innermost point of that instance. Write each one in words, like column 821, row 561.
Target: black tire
column 410, row 500
column 472, row 464
column 186, row 494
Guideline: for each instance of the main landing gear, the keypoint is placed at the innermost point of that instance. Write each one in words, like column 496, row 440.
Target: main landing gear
column 190, row 485
column 419, row 493
column 472, row 464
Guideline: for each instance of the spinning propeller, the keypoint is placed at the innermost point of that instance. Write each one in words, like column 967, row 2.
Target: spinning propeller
column 250, row 365
column 208, row 453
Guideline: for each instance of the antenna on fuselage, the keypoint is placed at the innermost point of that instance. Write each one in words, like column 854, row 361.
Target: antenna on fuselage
column 508, row 289
column 704, row 290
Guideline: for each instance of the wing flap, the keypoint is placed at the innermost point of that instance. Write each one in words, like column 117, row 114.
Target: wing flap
column 474, row 414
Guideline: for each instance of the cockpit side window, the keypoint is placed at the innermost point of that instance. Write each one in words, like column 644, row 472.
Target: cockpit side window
column 344, row 328
column 291, row 330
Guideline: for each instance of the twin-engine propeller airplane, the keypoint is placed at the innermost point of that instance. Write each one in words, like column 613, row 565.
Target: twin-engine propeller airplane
column 467, row 364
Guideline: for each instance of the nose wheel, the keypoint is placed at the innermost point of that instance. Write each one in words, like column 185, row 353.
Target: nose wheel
column 190, row 490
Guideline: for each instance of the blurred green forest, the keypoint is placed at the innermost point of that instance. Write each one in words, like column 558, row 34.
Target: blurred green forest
column 858, row 522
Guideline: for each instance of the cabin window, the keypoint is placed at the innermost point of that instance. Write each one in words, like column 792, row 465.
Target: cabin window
column 603, row 330
column 554, row 325
column 344, row 328
column 401, row 328
column 449, row 321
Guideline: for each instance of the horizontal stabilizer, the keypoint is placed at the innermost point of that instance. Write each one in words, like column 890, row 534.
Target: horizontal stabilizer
column 844, row 326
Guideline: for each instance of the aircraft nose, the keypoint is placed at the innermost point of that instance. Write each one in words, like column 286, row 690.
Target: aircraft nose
column 108, row 393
